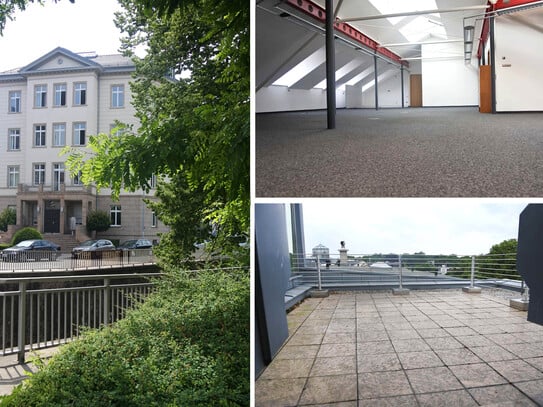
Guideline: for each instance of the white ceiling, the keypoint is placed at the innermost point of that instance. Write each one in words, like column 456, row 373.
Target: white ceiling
column 287, row 40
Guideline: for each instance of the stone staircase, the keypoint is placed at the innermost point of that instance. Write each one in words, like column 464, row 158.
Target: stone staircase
column 66, row 242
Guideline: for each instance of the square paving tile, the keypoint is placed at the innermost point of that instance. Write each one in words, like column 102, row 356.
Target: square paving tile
column 493, row 353
column 298, row 352
column 378, row 363
column 329, row 389
column 536, row 362
column 341, row 365
column 370, row 336
column 500, row 395
column 409, row 345
column 516, row 370
column 328, row 350
column 399, row 401
column 342, row 325
column 339, row 337
column 434, row 379
column 433, row 333
column 477, row 375
column 534, row 389
column 447, row 342
column 457, row 356
column 456, row 398
column 287, row 368
column 461, row 331
column 475, row 340
column 403, row 334
column 417, row 360
column 383, row 384
column 278, row 392
column 375, row 348
column 305, row 339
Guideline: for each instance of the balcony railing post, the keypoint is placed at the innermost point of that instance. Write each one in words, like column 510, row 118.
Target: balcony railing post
column 107, row 300
column 319, row 271
column 21, row 336
column 472, row 271
column 401, row 274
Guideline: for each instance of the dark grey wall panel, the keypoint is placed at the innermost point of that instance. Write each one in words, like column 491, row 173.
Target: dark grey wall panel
column 529, row 266
column 272, row 272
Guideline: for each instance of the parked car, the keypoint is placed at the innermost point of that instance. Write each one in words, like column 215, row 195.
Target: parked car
column 92, row 246
column 135, row 244
column 35, row 249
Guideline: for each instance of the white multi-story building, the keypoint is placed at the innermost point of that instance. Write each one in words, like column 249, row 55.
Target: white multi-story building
column 57, row 101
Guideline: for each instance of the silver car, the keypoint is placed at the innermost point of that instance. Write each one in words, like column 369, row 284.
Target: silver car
column 92, row 247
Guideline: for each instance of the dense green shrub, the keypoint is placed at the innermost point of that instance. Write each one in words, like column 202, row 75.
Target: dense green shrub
column 98, row 221
column 27, row 233
column 7, row 217
column 187, row 345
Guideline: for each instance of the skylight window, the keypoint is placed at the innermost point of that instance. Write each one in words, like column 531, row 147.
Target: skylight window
column 402, row 6
column 421, row 27
column 302, row 69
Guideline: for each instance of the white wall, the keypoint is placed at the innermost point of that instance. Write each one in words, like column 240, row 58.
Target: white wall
column 281, row 98
column 353, row 97
column 519, row 83
column 448, row 82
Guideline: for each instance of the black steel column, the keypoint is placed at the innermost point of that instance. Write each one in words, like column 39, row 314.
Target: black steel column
column 330, row 66
column 492, row 64
column 401, row 74
column 376, row 88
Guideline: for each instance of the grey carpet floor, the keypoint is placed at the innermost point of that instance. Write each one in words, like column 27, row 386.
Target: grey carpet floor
column 425, row 152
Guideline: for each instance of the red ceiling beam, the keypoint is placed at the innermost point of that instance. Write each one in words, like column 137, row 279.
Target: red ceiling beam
column 313, row 10
column 500, row 5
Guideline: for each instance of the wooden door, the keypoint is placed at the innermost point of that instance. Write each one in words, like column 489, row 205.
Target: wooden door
column 415, row 90
column 485, row 89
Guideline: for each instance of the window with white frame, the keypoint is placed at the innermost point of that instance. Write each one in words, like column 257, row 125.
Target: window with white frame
column 152, row 181
column 79, row 134
column 77, row 179
column 58, row 175
column 39, row 135
column 59, row 134
column 39, row 174
column 60, row 94
column 15, row 101
column 80, row 93
column 154, row 220
column 40, row 96
column 13, row 176
column 117, row 96
column 115, row 213
column 14, row 139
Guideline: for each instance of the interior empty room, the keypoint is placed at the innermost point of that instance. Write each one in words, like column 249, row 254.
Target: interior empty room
column 393, row 98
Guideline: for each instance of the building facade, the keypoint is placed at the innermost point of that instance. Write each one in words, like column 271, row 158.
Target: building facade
column 56, row 101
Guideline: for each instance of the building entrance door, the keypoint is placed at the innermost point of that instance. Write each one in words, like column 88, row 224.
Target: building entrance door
column 51, row 221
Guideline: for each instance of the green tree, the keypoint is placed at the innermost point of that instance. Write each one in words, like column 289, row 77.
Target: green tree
column 98, row 221
column 7, row 217
column 506, row 247
column 194, row 130
column 25, row 234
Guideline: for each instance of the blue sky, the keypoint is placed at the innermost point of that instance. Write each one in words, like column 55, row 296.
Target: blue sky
column 460, row 226
column 86, row 25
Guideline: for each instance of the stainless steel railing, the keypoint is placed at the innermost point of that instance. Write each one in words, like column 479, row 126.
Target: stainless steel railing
column 47, row 311
column 54, row 261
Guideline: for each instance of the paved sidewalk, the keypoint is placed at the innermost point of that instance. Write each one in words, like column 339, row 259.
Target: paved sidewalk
column 430, row 348
column 12, row 373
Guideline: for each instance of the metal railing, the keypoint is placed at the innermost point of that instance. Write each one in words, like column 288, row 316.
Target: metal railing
column 47, row 311
column 56, row 261
column 392, row 270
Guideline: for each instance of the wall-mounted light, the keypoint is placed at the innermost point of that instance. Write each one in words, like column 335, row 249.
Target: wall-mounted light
column 61, row 209
column 38, row 209
column 469, row 30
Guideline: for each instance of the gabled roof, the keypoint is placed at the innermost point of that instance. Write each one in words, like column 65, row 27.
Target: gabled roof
column 63, row 60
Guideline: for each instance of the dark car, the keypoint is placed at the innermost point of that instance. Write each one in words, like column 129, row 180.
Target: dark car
column 36, row 249
column 92, row 246
column 136, row 244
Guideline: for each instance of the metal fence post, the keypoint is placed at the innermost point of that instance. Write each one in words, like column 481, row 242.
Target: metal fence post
column 472, row 271
column 319, row 271
column 401, row 276
column 21, row 337
column 107, row 300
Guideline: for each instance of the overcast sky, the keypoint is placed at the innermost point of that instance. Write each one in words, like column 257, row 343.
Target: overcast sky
column 86, row 25
column 434, row 226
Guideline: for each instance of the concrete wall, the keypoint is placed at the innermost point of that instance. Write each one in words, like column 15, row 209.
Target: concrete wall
column 281, row 98
column 448, row 82
column 519, row 82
